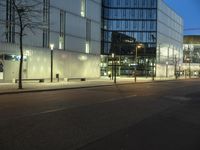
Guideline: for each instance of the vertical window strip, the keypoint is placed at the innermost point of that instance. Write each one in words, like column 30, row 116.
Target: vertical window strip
column 62, row 29
column 83, row 8
column 46, row 22
column 10, row 22
column 88, row 35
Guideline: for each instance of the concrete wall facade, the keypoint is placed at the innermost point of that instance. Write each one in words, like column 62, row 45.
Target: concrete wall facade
column 38, row 63
column 73, row 60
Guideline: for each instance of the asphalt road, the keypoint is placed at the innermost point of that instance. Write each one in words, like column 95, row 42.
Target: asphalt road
column 153, row 116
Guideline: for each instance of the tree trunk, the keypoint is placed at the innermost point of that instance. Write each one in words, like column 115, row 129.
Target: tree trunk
column 21, row 60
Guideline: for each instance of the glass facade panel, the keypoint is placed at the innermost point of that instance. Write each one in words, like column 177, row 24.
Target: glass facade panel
column 169, row 41
column 170, row 33
column 83, row 8
column 127, row 23
column 191, row 49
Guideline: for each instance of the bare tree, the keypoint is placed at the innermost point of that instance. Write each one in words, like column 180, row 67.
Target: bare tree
column 27, row 16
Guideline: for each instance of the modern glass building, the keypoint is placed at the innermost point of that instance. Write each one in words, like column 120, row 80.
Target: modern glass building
column 191, row 56
column 144, row 36
column 191, row 49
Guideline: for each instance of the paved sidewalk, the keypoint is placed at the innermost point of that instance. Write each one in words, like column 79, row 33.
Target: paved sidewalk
column 8, row 88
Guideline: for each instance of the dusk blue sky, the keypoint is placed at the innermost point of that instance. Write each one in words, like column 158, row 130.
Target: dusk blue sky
column 190, row 11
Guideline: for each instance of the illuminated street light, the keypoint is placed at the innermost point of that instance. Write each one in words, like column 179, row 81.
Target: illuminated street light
column 167, row 69
column 113, row 58
column 153, row 70
column 175, row 67
column 113, row 55
column 51, row 47
column 188, row 60
column 179, row 70
column 138, row 46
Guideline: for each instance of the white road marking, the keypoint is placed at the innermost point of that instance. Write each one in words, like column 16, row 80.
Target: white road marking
column 49, row 111
column 61, row 109
column 73, row 106
column 178, row 98
column 120, row 98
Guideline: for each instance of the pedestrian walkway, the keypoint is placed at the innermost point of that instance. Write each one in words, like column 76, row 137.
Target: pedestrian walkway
column 8, row 88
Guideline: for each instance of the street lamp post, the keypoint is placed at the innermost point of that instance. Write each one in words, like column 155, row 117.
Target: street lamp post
column 113, row 59
column 51, row 47
column 175, row 68
column 166, row 69
column 189, row 69
column 199, row 70
column 146, row 63
column 179, row 70
column 115, row 78
column 135, row 63
column 136, row 55
column 153, row 71
column 113, row 55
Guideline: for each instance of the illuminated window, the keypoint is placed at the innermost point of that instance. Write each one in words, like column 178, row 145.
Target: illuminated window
column 61, row 42
column 87, row 47
column 62, row 29
column 83, row 8
column 88, row 36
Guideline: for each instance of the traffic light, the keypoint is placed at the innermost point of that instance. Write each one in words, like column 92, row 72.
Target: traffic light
column 1, row 66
